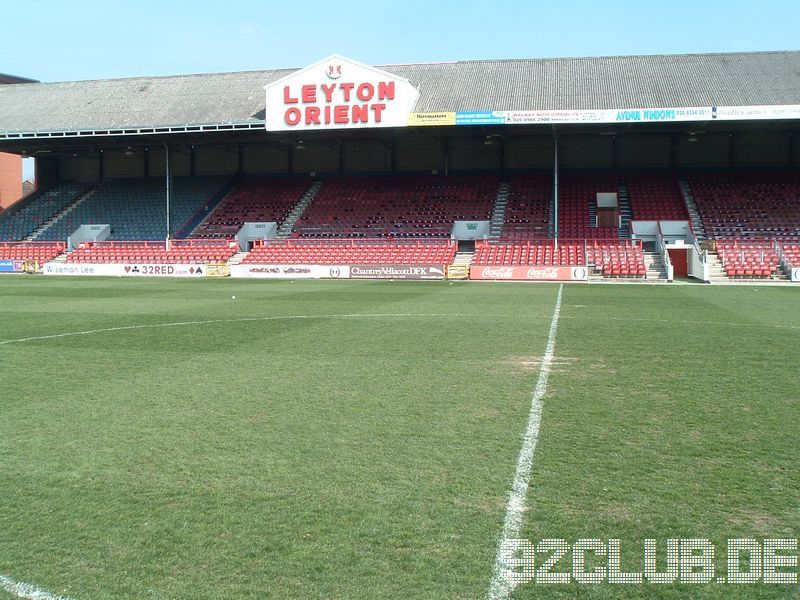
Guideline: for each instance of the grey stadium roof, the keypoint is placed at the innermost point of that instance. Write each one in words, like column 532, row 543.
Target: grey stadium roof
column 236, row 100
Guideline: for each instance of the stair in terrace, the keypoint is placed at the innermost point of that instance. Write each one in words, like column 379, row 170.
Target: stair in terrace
column 463, row 258
column 625, row 213
column 694, row 214
column 499, row 212
column 237, row 258
column 592, row 214
column 656, row 270
column 286, row 228
column 716, row 274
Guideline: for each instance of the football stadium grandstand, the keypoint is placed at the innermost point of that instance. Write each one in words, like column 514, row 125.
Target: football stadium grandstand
column 647, row 183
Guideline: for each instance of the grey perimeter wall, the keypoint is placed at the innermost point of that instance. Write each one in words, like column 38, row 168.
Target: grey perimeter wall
column 421, row 154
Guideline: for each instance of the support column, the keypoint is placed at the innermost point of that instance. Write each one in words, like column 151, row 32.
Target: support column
column 168, row 170
column 672, row 150
column 555, row 188
column 731, row 149
column 446, row 156
column 614, row 151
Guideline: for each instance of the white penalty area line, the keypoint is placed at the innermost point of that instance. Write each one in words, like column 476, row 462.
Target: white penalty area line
column 501, row 585
column 238, row 320
column 20, row 589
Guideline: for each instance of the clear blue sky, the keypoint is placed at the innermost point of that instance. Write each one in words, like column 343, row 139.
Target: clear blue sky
column 56, row 40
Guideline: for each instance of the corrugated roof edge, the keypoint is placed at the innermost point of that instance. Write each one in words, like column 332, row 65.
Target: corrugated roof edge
column 609, row 56
column 289, row 70
column 14, row 79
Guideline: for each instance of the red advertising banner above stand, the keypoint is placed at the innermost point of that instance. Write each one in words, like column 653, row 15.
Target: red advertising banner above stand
column 338, row 93
column 528, row 273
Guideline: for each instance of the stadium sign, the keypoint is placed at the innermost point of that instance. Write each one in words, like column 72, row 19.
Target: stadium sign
column 125, row 270
column 291, row 271
column 397, row 272
column 609, row 116
column 529, row 273
column 11, row 266
column 338, row 93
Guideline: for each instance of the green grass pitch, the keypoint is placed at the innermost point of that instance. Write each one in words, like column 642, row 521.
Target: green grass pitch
column 359, row 439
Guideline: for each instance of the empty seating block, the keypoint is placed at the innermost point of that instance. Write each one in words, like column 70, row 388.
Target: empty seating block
column 792, row 252
column 353, row 252
column 256, row 200
column 748, row 204
column 577, row 204
column 622, row 259
column 748, row 260
column 397, row 207
column 528, row 209
column 136, row 208
column 656, row 197
column 180, row 252
column 542, row 253
column 21, row 221
column 38, row 251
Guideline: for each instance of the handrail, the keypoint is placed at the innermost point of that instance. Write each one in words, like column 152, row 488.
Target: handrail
column 182, row 243
column 701, row 254
column 784, row 260
column 336, row 242
column 662, row 250
column 31, row 243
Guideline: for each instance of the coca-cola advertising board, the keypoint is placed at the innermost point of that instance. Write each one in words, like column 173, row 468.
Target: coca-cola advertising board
column 528, row 273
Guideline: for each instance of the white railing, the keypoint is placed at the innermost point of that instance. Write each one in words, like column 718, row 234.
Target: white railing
column 662, row 250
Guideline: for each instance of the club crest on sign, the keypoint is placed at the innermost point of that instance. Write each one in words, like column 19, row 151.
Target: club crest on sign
column 334, row 71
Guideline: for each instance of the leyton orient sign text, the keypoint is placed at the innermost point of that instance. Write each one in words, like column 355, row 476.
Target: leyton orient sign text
column 338, row 93
column 339, row 103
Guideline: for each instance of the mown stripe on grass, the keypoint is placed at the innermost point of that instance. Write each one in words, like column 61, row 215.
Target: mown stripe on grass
column 501, row 586
column 238, row 320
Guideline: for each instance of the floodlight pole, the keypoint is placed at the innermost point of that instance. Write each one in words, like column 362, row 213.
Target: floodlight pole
column 555, row 188
column 168, row 158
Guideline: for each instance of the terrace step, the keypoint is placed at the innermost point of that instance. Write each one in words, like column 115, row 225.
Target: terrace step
column 286, row 228
column 780, row 276
column 463, row 258
column 691, row 206
column 716, row 274
column 498, row 217
column 656, row 270
column 625, row 213
column 593, row 213
column 237, row 258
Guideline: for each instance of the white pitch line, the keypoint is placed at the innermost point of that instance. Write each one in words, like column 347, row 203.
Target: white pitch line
column 501, row 586
column 239, row 320
column 20, row 589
